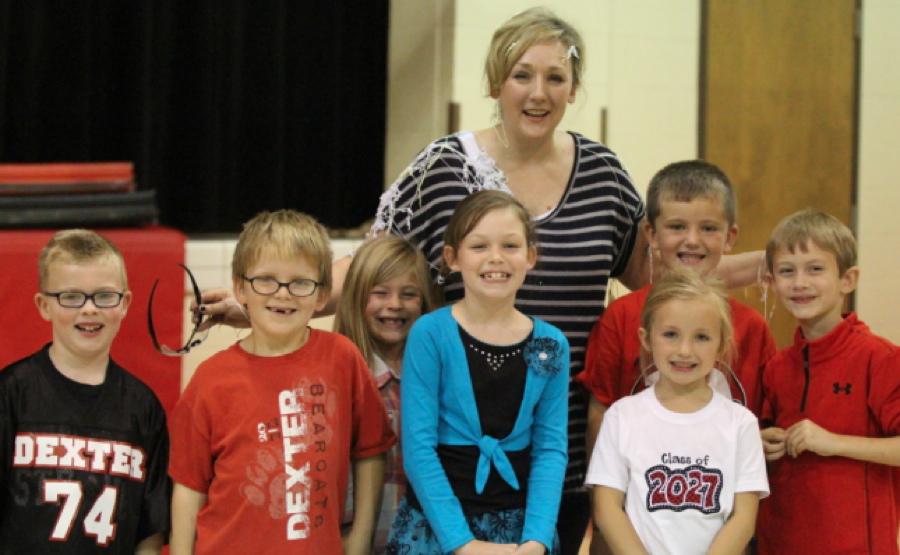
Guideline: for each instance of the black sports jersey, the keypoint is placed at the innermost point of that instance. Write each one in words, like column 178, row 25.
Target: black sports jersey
column 82, row 468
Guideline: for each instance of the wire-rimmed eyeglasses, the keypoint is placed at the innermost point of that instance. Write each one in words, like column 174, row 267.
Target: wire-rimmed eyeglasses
column 77, row 299
column 266, row 285
column 197, row 336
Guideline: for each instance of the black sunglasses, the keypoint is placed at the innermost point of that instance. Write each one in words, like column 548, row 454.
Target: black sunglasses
column 196, row 337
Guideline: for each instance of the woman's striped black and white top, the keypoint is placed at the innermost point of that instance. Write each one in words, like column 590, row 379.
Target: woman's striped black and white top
column 584, row 241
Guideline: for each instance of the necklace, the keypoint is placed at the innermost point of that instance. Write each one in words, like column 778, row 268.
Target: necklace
column 495, row 361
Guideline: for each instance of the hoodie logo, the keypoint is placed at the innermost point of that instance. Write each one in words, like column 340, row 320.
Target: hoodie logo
column 845, row 388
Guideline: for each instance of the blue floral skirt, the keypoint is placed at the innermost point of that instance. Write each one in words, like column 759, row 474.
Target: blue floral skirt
column 412, row 535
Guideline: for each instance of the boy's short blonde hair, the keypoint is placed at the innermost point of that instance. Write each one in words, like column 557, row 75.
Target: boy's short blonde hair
column 687, row 180
column 521, row 32
column 283, row 234
column 77, row 246
column 824, row 230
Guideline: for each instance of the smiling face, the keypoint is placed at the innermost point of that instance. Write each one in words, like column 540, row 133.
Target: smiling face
column 279, row 320
column 81, row 335
column 692, row 234
column 809, row 285
column 392, row 308
column 685, row 339
column 533, row 97
column 494, row 257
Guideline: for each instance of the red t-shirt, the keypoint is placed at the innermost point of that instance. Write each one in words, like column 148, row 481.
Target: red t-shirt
column 847, row 382
column 269, row 440
column 612, row 364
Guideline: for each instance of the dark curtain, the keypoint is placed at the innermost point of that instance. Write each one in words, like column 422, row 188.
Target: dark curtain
column 226, row 107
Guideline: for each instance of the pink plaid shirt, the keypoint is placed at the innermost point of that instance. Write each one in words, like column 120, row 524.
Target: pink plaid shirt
column 388, row 383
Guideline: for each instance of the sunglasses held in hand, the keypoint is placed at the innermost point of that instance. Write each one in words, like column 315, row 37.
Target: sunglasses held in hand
column 197, row 335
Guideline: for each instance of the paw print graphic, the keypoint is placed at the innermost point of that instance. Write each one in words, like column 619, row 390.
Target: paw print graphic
column 264, row 485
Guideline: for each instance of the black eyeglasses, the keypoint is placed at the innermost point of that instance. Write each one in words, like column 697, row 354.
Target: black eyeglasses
column 264, row 285
column 77, row 299
column 196, row 337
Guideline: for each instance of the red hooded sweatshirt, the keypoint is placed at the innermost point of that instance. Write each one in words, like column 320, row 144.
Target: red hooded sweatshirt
column 847, row 382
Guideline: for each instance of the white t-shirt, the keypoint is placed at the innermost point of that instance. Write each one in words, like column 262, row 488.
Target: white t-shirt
column 679, row 471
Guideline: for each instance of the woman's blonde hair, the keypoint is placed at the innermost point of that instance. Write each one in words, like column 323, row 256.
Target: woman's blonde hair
column 377, row 261
column 683, row 285
column 521, row 32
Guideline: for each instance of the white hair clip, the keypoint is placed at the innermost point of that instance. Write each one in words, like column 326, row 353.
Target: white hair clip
column 509, row 48
column 572, row 52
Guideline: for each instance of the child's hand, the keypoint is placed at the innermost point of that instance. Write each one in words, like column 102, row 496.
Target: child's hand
column 478, row 547
column 806, row 435
column 773, row 442
column 221, row 308
column 531, row 548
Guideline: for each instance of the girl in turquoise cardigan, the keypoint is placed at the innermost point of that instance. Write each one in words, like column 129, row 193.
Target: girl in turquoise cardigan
column 483, row 400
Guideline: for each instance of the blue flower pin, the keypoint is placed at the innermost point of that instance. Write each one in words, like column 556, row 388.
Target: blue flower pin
column 542, row 354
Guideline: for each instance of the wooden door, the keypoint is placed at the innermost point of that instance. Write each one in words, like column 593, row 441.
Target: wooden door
column 778, row 113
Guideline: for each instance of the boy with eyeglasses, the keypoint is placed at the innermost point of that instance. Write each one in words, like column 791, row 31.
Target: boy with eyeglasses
column 83, row 443
column 266, row 430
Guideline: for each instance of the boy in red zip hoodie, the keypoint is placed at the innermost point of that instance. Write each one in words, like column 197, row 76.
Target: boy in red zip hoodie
column 832, row 404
